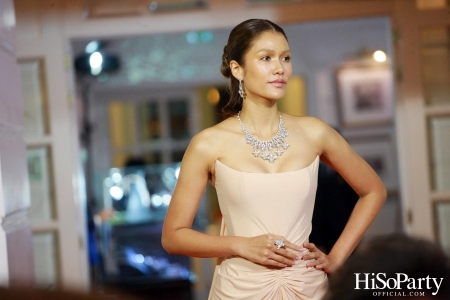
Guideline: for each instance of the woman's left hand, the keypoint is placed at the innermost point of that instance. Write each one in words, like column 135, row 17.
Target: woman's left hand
column 322, row 261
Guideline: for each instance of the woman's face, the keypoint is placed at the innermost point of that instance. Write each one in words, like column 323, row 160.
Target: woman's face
column 267, row 67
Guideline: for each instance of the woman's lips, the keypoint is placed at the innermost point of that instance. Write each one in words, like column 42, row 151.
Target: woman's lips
column 278, row 83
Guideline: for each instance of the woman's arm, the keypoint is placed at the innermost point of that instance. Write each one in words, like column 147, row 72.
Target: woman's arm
column 337, row 153
column 177, row 235
column 179, row 238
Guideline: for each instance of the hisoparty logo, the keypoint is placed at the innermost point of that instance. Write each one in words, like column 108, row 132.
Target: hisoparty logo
column 401, row 281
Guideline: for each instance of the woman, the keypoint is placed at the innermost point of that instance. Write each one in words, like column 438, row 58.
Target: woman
column 266, row 189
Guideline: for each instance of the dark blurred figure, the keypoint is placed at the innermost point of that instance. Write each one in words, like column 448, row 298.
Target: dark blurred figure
column 417, row 266
column 335, row 201
column 36, row 294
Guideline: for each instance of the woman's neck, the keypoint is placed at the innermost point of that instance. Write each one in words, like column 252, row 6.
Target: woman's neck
column 261, row 120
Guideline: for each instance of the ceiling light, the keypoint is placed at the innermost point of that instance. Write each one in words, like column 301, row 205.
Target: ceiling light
column 379, row 56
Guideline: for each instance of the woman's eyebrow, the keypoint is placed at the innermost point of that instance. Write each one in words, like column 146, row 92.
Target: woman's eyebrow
column 271, row 51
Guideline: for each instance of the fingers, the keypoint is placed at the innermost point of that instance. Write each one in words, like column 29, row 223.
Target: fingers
column 319, row 259
column 278, row 260
column 287, row 254
column 318, row 264
column 310, row 246
column 274, row 263
column 289, row 245
column 314, row 252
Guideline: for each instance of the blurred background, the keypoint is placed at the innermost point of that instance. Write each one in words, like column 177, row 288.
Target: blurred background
column 104, row 96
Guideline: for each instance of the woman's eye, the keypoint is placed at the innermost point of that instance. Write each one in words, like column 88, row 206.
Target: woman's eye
column 287, row 58
column 266, row 58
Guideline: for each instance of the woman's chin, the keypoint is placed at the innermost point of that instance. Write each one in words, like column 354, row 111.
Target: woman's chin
column 277, row 97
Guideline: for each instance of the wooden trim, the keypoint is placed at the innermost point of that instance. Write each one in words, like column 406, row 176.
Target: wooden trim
column 45, row 227
column 440, row 196
column 38, row 141
column 438, row 110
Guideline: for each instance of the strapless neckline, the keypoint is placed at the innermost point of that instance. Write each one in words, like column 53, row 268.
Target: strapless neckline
column 277, row 173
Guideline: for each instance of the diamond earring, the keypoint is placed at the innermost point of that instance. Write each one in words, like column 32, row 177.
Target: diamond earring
column 241, row 90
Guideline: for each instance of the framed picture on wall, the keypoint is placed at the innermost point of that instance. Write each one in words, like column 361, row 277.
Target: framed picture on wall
column 378, row 152
column 365, row 96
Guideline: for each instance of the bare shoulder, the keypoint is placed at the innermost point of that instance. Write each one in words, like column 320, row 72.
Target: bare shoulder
column 207, row 144
column 311, row 126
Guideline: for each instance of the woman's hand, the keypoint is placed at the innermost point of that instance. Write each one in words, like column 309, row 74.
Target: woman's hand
column 262, row 250
column 324, row 262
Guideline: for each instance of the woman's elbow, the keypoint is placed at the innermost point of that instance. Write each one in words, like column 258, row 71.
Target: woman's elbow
column 167, row 244
column 380, row 193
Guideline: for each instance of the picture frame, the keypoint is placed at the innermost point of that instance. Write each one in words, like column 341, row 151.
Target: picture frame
column 379, row 153
column 365, row 95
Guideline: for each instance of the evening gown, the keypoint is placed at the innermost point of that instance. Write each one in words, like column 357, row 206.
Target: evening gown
column 258, row 203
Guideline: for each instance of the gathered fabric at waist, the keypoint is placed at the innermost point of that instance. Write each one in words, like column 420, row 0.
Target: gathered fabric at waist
column 238, row 278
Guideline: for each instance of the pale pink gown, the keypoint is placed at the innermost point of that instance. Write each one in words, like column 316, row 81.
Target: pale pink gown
column 258, row 203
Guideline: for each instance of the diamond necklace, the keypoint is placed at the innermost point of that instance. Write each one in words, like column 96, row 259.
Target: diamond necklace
column 265, row 148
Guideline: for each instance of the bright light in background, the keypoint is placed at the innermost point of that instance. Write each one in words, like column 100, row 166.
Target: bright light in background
column 177, row 172
column 192, row 37
column 157, row 200
column 169, row 172
column 96, row 60
column 213, row 96
column 379, row 56
column 116, row 192
column 116, row 177
column 206, row 36
column 139, row 258
column 92, row 47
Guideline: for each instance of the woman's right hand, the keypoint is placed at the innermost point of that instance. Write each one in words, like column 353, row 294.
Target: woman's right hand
column 262, row 250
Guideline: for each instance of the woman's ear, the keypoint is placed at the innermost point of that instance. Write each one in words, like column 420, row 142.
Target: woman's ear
column 236, row 70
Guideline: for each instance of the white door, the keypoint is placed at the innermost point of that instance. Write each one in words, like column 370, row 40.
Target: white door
column 16, row 258
column 57, row 207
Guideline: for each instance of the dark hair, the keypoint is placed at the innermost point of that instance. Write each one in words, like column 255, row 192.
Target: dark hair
column 239, row 42
column 391, row 254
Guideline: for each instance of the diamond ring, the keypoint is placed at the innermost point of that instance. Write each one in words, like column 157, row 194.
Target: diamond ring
column 279, row 243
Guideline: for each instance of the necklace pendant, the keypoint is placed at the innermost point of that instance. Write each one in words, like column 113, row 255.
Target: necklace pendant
column 256, row 153
column 265, row 156
column 272, row 157
column 279, row 152
column 285, row 146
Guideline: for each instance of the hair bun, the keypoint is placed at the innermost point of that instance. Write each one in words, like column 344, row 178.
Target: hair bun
column 225, row 68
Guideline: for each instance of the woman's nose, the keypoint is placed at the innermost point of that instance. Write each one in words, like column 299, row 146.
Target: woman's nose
column 278, row 68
